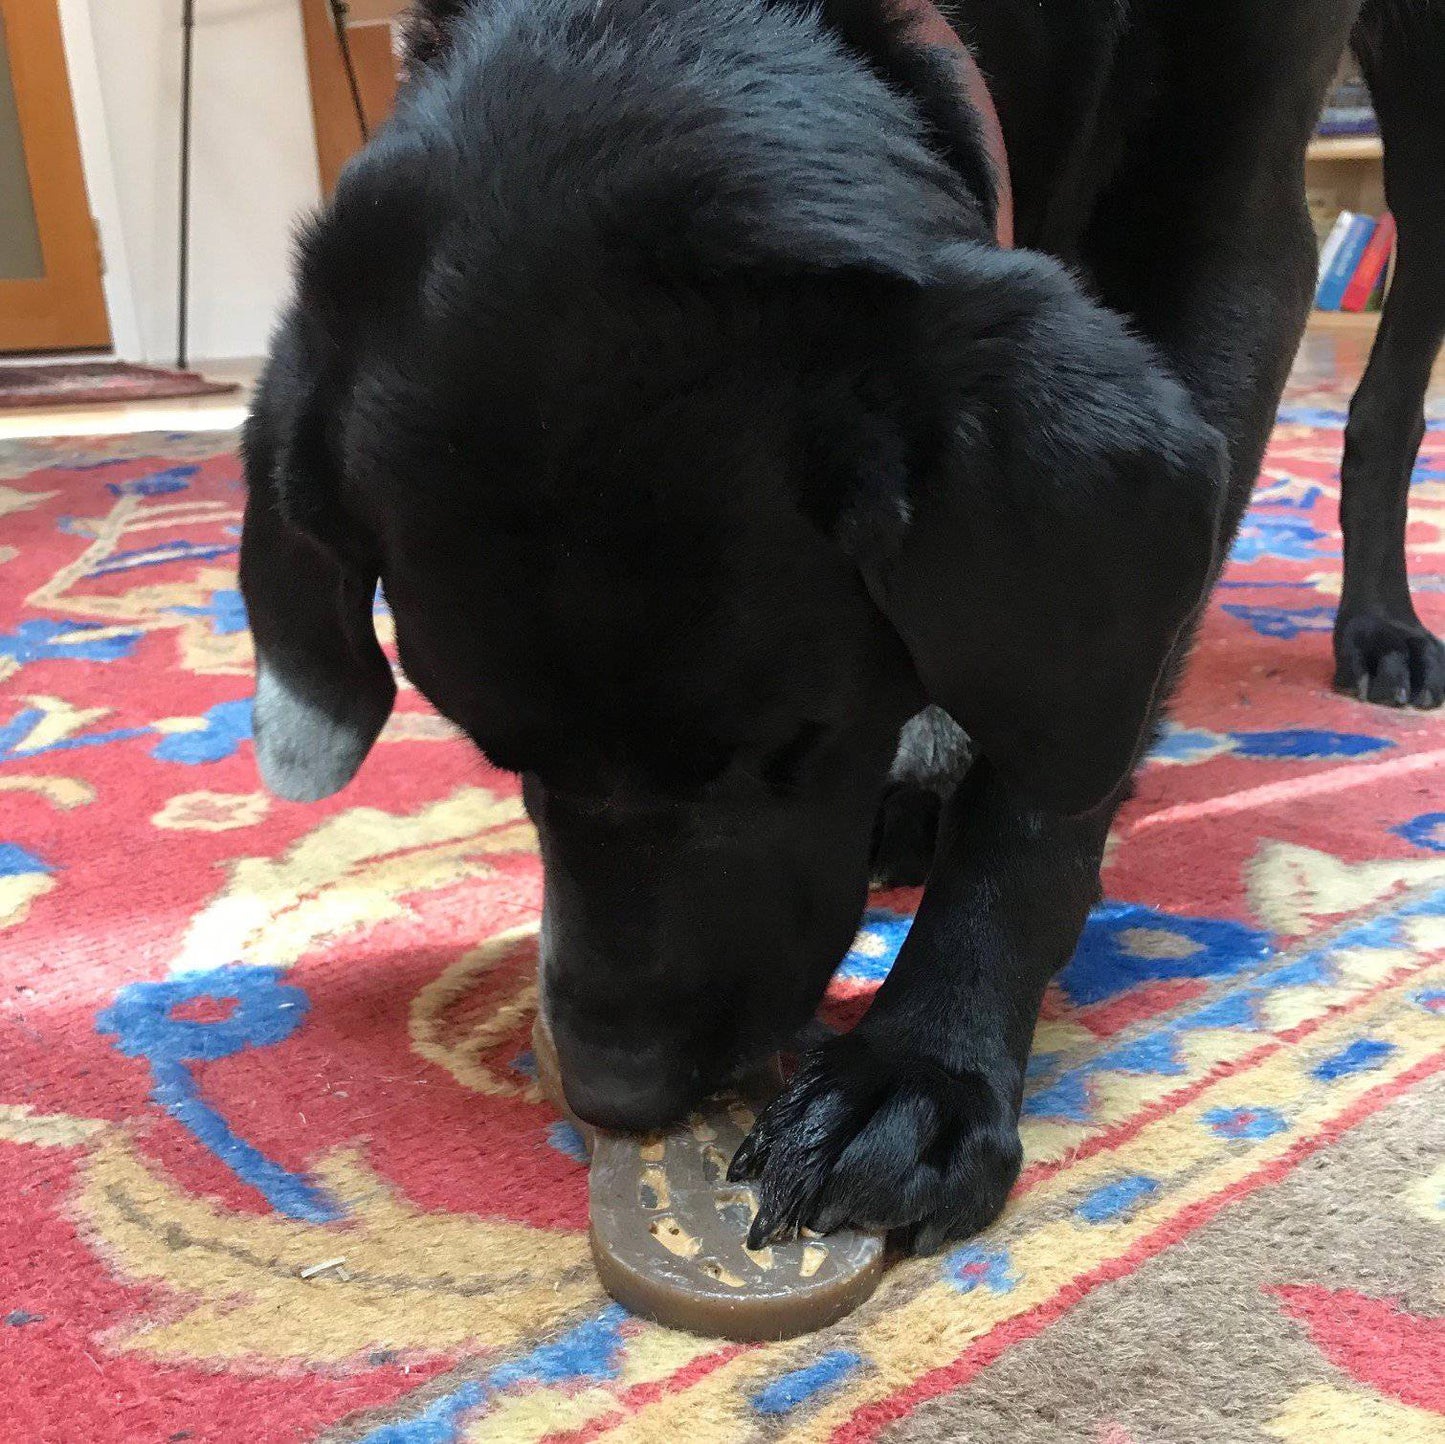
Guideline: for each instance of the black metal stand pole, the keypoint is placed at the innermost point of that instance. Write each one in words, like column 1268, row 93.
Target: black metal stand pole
column 188, row 31
column 183, row 268
column 339, row 11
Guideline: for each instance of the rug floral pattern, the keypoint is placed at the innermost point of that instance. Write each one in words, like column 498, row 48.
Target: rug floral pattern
column 275, row 1166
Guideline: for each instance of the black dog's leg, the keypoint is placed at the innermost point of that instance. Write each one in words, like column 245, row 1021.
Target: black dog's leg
column 933, row 756
column 910, row 1122
column 1382, row 653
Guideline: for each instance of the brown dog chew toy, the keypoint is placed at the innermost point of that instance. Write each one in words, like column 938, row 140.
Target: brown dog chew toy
column 668, row 1230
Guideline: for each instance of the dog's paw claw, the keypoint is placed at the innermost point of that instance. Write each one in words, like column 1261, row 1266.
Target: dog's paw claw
column 1388, row 662
column 876, row 1137
column 746, row 1161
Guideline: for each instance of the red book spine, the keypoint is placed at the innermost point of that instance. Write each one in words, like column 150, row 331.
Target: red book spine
column 1372, row 265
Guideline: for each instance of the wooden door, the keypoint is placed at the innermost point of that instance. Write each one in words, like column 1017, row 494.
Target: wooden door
column 51, row 297
column 371, row 32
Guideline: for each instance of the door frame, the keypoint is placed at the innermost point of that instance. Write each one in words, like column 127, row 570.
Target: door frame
column 88, row 102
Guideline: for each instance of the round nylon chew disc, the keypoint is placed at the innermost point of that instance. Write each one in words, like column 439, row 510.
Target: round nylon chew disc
column 668, row 1230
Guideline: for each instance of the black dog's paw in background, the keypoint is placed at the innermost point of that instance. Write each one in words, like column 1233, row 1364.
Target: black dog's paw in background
column 873, row 1134
column 1382, row 653
column 934, row 755
column 1396, row 662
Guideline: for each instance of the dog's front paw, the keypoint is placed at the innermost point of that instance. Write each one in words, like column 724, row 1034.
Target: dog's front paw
column 1389, row 661
column 872, row 1134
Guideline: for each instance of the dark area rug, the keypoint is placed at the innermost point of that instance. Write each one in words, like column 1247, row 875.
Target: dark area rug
column 88, row 383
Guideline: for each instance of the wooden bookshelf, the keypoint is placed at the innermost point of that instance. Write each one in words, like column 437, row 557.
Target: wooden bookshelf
column 1355, row 323
column 1346, row 148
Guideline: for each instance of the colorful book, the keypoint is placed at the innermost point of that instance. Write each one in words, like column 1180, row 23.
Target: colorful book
column 1352, row 246
column 1348, row 120
column 1382, row 286
column 1347, row 109
column 1373, row 260
column 1331, row 247
column 1388, row 279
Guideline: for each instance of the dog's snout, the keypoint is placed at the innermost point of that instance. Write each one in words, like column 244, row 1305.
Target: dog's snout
column 634, row 1090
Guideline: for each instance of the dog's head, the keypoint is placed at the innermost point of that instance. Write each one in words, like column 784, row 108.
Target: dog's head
column 693, row 457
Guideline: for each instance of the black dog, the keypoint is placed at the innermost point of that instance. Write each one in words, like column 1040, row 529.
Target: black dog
column 659, row 359
column 1382, row 652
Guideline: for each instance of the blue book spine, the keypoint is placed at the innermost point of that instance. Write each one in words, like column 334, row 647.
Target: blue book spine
column 1334, row 281
column 1348, row 122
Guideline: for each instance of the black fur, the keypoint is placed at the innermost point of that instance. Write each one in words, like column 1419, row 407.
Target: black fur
column 1382, row 652
column 657, row 358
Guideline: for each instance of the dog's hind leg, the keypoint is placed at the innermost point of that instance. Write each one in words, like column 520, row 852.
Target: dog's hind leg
column 1382, row 652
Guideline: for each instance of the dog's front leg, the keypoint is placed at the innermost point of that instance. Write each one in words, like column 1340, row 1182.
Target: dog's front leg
column 910, row 1122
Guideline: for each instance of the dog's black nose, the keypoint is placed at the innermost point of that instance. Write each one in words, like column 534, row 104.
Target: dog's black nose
column 613, row 1087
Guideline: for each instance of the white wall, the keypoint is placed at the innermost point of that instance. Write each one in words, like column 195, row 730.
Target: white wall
column 253, row 164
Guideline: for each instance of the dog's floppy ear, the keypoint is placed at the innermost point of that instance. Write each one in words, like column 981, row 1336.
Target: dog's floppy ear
column 1061, row 529
column 428, row 29
column 324, row 688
